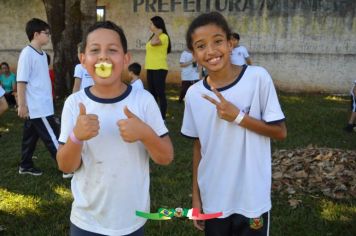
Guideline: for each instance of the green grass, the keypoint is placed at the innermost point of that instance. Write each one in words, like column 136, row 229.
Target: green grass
column 41, row 205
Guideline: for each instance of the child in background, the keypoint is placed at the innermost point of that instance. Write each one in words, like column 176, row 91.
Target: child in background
column 231, row 115
column 51, row 75
column 108, row 132
column 239, row 55
column 8, row 82
column 134, row 76
column 3, row 103
column 351, row 124
column 35, row 102
column 82, row 78
column 189, row 72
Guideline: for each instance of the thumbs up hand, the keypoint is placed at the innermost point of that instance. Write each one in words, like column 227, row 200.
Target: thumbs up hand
column 131, row 129
column 87, row 125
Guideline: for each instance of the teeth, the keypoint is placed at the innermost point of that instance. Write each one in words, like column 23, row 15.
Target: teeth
column 214, row 60
column 103, row 69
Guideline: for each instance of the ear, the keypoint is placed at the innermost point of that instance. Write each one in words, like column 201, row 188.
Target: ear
column 127, row 59
column 82, row 59
column 230, row 44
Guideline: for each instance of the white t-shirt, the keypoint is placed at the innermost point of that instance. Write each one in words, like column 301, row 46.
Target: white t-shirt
column 32, row 69
column 188, row 73
column 81, row 73
column 234, row 174
column 113, row 180
column 137, row 84
column 2, row 91
column 239, row 56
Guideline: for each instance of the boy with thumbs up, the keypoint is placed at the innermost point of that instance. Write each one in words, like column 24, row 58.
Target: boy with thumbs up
column 108, row 133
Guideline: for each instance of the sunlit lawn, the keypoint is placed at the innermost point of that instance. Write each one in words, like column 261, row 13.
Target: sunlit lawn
column 41, row 205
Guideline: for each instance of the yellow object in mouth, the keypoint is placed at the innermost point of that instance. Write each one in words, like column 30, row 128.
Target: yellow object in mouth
column 103, row 69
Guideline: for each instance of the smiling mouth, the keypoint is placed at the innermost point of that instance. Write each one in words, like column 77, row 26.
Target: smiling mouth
column 214, row 60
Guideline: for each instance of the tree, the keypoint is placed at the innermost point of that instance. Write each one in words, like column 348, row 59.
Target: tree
column 68, row 19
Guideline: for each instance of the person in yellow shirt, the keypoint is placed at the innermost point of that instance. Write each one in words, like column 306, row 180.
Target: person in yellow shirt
column 157, row 49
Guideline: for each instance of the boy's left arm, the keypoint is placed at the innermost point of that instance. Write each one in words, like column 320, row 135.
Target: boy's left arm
column 133, row 129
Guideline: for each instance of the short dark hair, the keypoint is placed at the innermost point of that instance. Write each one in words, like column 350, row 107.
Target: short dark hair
column 158, row 22
column 135, row 68
column 80, row 47
column 5, row 64
column 235, row 36
column 35, row 25
column 214, row 18
column 106, row 25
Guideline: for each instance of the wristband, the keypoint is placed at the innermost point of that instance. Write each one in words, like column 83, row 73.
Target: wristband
column 239, row 117
column 75, row 139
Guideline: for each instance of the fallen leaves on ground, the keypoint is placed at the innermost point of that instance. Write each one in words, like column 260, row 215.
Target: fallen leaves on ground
column 313, row 170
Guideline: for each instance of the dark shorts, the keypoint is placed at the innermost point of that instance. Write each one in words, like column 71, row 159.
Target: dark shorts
column 238, row 225
column 76, row 231
column 353, row 103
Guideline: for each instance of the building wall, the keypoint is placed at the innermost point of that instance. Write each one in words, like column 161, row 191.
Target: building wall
column 13, row 18
column 306, row 45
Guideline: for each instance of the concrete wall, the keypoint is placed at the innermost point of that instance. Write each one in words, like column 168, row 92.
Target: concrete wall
column 306, row 45
column 13, row 18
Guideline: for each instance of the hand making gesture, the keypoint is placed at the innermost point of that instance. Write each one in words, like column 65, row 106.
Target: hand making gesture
column 226, row 110
column 132, row 128
column 87, row 125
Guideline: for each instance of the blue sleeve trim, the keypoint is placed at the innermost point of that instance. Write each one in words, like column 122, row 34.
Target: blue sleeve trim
column 276, row 121
column 190, row 137
column 163, row 135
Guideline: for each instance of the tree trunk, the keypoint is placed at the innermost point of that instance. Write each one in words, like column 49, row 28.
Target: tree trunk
column 68, row 20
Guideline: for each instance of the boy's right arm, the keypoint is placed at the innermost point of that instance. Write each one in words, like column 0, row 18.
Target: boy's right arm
column 69, row 154
column 21, row 93
column 196, row 201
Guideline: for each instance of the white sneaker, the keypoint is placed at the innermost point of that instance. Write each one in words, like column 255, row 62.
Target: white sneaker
column 67, row 175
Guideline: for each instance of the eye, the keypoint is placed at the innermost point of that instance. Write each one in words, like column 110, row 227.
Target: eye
column 219, row 41
column 200, row 46
column 94, row 50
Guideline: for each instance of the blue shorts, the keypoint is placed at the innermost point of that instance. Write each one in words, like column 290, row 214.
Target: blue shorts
column 76, row 231
column 237, row 224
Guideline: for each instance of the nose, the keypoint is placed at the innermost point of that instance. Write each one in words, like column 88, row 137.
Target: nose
column 103, row 56
column 210, row 48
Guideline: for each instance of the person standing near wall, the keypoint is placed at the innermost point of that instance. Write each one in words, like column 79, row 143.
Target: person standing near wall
column 35, row 97
column 239, row 55
column 82, row 78
column 351, row 124
column 189, row 72
column 157, row 49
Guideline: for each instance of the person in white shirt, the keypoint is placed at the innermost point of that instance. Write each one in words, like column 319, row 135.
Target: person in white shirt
column 35, row 102
column 239, row 54
column 109, row 133
column 231, row 115
column 3, row 104
column 134, row 76
column 189, row 72
column 82, row 78
column 352, row 121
